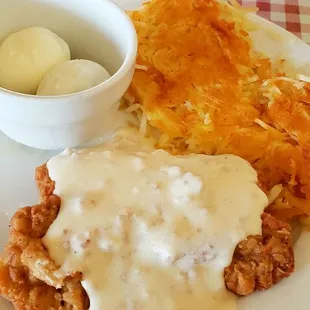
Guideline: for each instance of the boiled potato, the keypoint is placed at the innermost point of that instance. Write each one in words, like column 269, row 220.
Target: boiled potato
column 27, row 55
column 71, row 77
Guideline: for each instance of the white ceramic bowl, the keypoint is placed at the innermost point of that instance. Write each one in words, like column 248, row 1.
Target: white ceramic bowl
column 97, row 30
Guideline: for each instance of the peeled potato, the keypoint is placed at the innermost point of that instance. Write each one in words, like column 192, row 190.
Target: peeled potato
column 71, row 77
column 26, row 56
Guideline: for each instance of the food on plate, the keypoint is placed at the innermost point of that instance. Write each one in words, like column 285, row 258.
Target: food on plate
column 199, row 82
column 138, row 227
column 144, row 215
column 71, row 77
column 27, row 55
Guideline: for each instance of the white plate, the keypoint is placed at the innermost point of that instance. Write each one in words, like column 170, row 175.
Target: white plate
column 17, row 164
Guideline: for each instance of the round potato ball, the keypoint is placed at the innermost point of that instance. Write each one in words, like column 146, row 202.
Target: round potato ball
column 71, row 77
column 27, row 55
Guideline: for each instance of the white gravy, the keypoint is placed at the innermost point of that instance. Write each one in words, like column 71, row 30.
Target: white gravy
column 149, row 230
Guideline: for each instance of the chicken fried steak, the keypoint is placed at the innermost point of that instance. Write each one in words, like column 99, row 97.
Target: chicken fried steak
column 31, row 280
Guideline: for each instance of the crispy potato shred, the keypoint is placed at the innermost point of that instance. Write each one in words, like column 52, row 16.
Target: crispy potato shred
column 199, row 82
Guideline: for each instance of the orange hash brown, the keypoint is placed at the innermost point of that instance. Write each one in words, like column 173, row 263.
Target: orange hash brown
column 31, row 281
column 199, row 82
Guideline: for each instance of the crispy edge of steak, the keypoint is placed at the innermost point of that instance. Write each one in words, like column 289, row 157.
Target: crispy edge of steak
column 259, row 262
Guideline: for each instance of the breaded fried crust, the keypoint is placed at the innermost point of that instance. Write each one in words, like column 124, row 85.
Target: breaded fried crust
column 261, row 261
column 31, row 281
column 28, row 277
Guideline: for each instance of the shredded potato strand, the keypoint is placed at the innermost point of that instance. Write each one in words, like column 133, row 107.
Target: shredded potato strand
column 206, row 91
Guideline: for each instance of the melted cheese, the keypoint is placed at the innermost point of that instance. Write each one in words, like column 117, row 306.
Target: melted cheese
column 149, row 230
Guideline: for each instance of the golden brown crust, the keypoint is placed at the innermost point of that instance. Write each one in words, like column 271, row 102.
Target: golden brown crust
column 45, row 185
column 25, row 266
column 261, row 261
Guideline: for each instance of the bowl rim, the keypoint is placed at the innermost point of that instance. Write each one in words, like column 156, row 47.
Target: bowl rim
column 118, row 75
